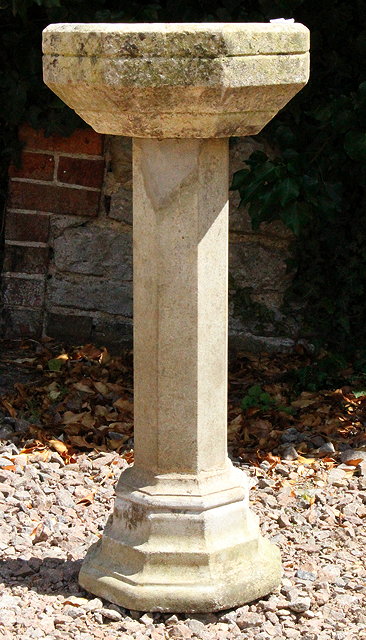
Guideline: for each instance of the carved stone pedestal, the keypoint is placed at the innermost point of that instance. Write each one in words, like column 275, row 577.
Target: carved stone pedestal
column 182, row 537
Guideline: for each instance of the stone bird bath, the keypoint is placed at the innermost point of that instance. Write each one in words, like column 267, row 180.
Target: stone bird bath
column 182, row 537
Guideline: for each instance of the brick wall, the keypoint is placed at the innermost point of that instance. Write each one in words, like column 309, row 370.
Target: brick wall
column 68, row 249
column 58, row 177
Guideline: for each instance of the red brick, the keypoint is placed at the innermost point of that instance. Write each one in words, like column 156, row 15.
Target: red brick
column 23, row 292
column 23, row 259
column 86, row 173
column 81, row 141
column 31, row 227
column 37, row 166
column 53, row 199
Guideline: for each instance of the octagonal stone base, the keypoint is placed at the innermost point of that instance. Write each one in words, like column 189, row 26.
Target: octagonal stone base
column 197, row 552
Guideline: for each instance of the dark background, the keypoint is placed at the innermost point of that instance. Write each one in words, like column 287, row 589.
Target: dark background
column 315, row 183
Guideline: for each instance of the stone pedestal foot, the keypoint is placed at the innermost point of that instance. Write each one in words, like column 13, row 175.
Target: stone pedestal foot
column 191, row 546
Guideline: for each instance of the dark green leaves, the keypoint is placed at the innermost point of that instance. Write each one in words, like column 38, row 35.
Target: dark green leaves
column 355, row 145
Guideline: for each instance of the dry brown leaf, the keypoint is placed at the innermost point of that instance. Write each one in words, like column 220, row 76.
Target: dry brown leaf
column 129, row 456
column 80, row 441
column 260, row 427
column 70, row 416
column 59, row 446
column 82, row 386
column 63, row 356
column 235, row 424
column 88, row 420
column 354, row 462
column 122, row 404
column 301, row 460
column 105, row 356
column 120, row 427
column 101, row 410
column 36, row 446
column 101, row 388
column 10, row 409
column 116, row 388
column 302, row 403
column 89, row 352
column 74, row 428
column 310, row 420
column 86, row 500
column 115, row 444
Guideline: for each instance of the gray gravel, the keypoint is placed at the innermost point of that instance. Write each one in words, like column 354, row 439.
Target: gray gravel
column 316, row 517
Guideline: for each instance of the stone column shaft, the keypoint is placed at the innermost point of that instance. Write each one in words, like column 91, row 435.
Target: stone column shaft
column 180, row 304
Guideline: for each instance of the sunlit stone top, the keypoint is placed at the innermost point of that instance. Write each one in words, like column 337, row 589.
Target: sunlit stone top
column 176, row 80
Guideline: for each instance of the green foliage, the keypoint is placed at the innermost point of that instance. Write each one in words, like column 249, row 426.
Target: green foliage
column 256, row 398
column 323, row 373
column 55, row 364
column 316, row 183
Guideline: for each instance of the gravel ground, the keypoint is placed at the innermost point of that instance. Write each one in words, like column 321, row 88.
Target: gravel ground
column 52, row 512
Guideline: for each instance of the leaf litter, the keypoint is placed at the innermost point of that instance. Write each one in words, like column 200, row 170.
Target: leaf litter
column 77, row 399
column 82, row 399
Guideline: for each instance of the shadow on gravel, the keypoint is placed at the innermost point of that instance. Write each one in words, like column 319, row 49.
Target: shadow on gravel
column 49, row 575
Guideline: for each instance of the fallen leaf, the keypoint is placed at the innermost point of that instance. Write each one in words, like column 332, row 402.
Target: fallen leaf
column 302, row 460
column 70, row 416
column 302, row 403
column 80, row 441
column 101, row 388
column 123, row 405
column 355, row 462
column 88, row 420
column 59, row 446
column 86, row 500
column 76, row 601
column 10, row 409
column 129, row 456
column 81, row 386
column 55, row 364
column 89, row 352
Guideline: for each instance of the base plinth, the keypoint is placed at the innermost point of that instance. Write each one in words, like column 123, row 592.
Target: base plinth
column 197, row 552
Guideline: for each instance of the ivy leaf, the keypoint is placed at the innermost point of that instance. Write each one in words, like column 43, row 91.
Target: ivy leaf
column 295, row 215
column 261, row 176
column 355, row 145
column 288, row 190
column 239, row 179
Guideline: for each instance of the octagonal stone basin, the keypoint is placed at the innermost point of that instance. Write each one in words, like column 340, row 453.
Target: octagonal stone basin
column 176, row 80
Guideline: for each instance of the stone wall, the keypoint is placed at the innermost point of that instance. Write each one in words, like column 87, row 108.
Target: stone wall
column 67, row 271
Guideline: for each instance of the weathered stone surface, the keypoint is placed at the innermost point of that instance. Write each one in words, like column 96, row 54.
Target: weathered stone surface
column 112, row 332
column 111, row 296
column 94, row 250
column 182, row 537
column 119, row 179
column 169, row 40
column 181, row 491
column 258, row 267
column 176, row 81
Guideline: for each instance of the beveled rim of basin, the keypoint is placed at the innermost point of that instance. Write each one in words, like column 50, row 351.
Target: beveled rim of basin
column 199, row 40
